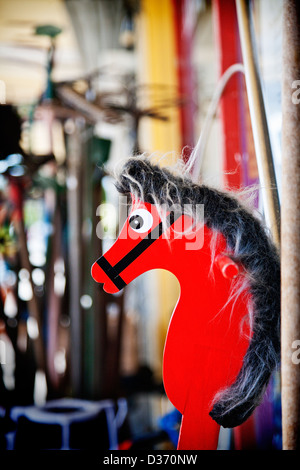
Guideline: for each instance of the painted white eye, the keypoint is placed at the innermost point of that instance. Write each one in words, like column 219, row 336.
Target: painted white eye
column 140, row 220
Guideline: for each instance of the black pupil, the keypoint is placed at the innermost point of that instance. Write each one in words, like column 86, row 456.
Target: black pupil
column 136, row 222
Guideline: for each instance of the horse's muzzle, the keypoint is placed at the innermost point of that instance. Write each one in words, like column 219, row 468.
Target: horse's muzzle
column 103, row 272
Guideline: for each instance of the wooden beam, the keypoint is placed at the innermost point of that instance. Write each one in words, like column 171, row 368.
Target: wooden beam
column 74, row 171
column 290, row 226
column 16, row 195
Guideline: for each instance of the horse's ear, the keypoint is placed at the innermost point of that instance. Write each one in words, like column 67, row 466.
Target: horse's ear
column 228, row 267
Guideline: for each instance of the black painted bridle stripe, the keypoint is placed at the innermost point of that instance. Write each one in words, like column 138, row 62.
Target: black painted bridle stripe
column 145, row 243
column 138, row 249
column 113, row 272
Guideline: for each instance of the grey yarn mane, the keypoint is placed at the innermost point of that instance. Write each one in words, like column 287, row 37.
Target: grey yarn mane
column 247, row 240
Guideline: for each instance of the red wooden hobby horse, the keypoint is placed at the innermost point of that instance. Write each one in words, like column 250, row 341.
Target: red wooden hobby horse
column 223, row 338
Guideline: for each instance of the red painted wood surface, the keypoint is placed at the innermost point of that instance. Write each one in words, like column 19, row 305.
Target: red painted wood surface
column 205, row 345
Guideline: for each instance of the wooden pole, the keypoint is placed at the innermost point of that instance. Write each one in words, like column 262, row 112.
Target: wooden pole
column 100, row 298
column 54, row 302
column 79, row 103
column 74, row 255
column 290, row 248
column 259, row 122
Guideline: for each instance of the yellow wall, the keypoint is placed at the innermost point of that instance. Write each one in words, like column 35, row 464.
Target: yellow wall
column 157, row 59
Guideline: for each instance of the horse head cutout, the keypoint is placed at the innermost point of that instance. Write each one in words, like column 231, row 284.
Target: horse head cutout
column 222, row 343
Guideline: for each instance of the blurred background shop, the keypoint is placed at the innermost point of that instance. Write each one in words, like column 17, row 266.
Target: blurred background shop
column 84, row 84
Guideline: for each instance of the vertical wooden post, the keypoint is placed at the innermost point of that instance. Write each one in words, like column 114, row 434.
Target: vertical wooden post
column 33, row 305
column 99, row 302
column 259, row 121
column 54, row 301
column 290, row 248
column 74, row 255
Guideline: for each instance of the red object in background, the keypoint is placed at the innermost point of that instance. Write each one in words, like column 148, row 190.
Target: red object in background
column 125, row 445
column 228, row 48
column 204, row 349
column 16, row 197
column 184, row 21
